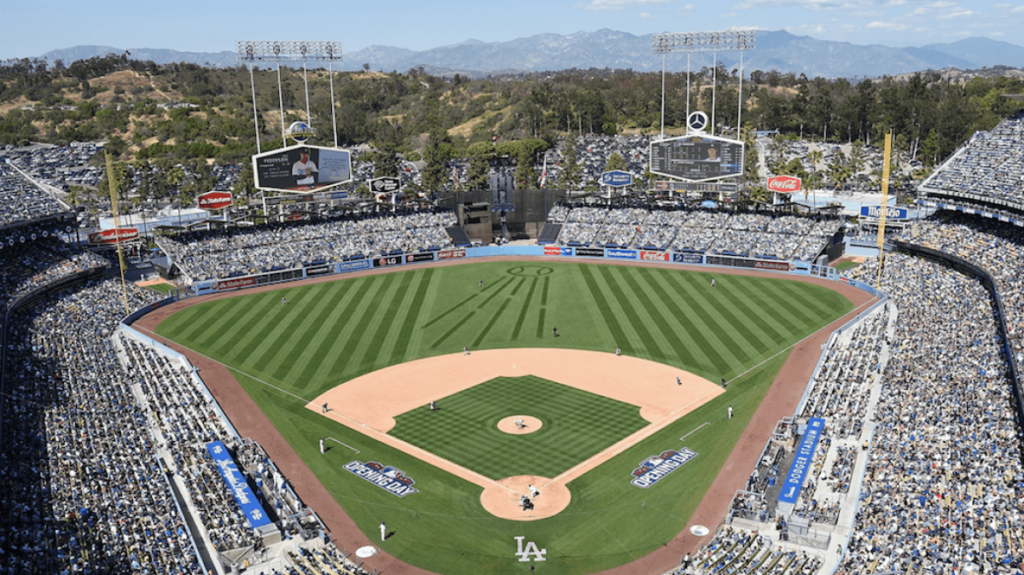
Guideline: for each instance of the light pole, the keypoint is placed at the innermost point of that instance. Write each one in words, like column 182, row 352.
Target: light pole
column 690, row 42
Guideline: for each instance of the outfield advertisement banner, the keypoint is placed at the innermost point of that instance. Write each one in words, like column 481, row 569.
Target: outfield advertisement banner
column 687, row 258
column 778, row 266
column 590, row 252
column 357, row 265
column 420, row 257
column 317, row 270
column 654, row 256
column 451, row 254
column 552, row 251
column 729, row 261
column 657, row 467
column 620, row 254
column 233, row 283
column 387, row 261
column 390, row 479
column 802, row 463
column 237, row 485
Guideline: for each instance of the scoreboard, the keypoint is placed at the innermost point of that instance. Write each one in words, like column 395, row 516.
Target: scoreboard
column 697, row 158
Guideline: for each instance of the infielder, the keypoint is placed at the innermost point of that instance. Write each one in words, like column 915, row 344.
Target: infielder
column 322, row 446
column 519, row 423
column 534, row 492
column 730, row 412
column 383, row 531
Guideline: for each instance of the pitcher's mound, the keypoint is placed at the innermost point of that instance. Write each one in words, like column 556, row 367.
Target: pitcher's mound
column 530, row 424
column 503, row 500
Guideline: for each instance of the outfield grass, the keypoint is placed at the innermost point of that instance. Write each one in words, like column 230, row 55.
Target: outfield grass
column 576, row 425
column 846, row 265
column 332, row 332
column 162, row 288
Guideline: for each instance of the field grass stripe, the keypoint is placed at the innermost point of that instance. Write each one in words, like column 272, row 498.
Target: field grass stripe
column 761, row 316
column 364, row 310
column 540, row 323
column 503, row 283
column 448, row 311
column 651, row 309
column 515, row 290
column 377, row 338
column 288, row 343
column 786, row 298
column 199, row 330
column 802, row 302
column 717, row 314
column 691, row 336
column 400, row 350
column 630, row 314
column 335, row 325
column 249, row 330
column 618, row 335
column 219, row 337
column 544, row 292
column 490, row 323
column 526, row 307
column 451, row 330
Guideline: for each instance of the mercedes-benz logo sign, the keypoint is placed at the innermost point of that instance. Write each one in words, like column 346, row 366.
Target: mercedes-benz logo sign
column 697, row 121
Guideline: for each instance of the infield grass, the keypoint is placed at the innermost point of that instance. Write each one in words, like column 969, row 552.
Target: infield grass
column 576, row 425
column 332, row 332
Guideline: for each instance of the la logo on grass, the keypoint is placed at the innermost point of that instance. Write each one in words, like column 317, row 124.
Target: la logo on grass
column 531, row 549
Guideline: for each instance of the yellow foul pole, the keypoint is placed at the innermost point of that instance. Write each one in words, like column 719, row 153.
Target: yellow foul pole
column 884, row 208
column 112, row 185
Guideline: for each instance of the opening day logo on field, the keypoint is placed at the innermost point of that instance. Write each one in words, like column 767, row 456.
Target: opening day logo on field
column 390, row 479
column 656, row 467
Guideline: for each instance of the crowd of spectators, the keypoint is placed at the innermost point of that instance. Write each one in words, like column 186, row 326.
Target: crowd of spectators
column 220, row 254
column 30, row 265
column 755, row 234
column 944, row 479
column 59, row 166
column 991, row 164
column 21, row 200
column 737, row 551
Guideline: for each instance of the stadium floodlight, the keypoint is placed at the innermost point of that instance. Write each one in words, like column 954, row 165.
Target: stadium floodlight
column 278, row 51
column 691, row 42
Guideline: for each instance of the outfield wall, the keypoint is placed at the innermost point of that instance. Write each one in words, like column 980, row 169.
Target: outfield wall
column 683, row 258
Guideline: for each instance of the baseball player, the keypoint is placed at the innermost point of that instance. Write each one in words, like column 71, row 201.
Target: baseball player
column 534, row 492
column 284, row 301
column 433, row 406
column 679, row 380
column 383, row 531
column 730, row 412
column 322, row 446
column 324, row 410
column 554, row 331
column 481, row 284
column 465, row 350
column 519, row 423
column 712, row 282
column 618, row 352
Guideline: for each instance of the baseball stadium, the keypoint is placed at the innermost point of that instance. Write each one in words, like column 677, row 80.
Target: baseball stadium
column 658, row 380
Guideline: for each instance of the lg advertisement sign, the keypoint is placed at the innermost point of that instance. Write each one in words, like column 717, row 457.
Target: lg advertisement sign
column 302, row 169
column 784, row 184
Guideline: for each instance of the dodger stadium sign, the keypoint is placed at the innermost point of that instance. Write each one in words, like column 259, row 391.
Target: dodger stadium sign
column 657, row 467
column 390, row 479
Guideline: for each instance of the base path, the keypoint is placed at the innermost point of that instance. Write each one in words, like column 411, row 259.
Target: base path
column 370, row 403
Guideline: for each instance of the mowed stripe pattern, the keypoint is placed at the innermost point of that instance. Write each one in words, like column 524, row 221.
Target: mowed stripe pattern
column 334, row 331
column 576, row 425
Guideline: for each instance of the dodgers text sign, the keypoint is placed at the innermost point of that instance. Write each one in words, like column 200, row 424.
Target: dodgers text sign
column 802, row 463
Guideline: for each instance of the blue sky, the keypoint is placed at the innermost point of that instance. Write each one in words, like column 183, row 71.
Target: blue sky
column 32, row 27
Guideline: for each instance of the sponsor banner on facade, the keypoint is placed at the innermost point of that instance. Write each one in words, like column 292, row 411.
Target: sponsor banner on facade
column 779, row 266
column 234, row 283
column 687, row 258
column 657, row 467
column 237, row 485
column 784, row 184
column 729, row 261
column 801, row 266
column 552, row 251
column 317, row 270
column 420, row 257
column 616, row 254
column 616, row 178
column 802, row 463
column 109, row 237
column 654, row 256
column 387, row 261
column 214, row 200
column 344, row 267
column 590, row 252
column 390, row 479
column 451, row 254
column 890, row 213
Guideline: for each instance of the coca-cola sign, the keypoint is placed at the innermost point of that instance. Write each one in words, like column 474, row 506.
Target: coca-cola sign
column 215, row 200
column 113, row 236
column 784, row 184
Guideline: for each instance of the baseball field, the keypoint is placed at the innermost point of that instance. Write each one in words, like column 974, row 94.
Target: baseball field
column 330, row 333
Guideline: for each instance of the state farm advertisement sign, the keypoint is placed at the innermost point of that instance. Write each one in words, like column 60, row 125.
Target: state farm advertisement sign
column 233, row 284
column 784, row 184
column 113, row 236
column 780, row 266
column 654, row 256
column 214, row 200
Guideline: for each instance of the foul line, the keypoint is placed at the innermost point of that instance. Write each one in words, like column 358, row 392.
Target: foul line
column 345, row 444
column 695, row 430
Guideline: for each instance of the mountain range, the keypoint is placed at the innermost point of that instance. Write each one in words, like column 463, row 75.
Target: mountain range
column 778, row 50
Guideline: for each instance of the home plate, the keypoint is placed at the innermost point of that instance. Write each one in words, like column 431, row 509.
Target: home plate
column 699, row 530
column 366, row 551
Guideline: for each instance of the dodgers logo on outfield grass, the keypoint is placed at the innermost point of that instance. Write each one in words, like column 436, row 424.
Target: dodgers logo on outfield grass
column 657, row 467
column 390, row 479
